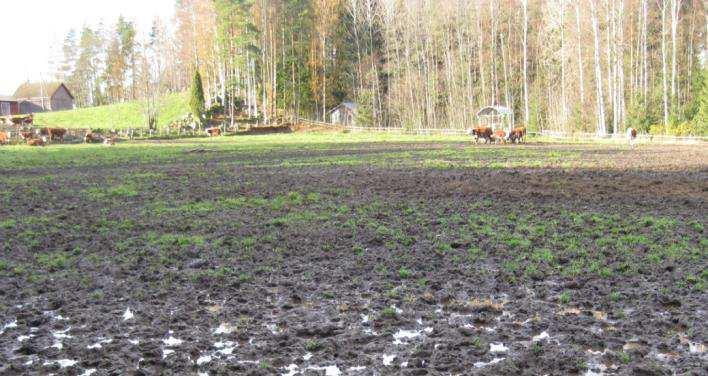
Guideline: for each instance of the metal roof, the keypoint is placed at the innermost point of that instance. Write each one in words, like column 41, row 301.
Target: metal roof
column 350, row 105
column 7, row 98
column 495, row 110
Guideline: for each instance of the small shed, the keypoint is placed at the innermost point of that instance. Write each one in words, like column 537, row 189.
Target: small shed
column 496, row 117
column 42, row 96
column 8, row 106
column 344, row 114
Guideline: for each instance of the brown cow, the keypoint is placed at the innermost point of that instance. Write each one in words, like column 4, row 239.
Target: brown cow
column 53, row 133
column 35, row 142
column 632, row 137
column 26, row 135
column 517, row 135
column 213, row 132
column 3, row 138
column 499, row 136
column 27, row 120
column 91, row 138
column 484, row 133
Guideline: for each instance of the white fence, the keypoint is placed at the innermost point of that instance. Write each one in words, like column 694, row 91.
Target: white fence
column 577, row 136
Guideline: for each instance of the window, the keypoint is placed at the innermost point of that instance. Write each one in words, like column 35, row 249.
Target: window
column 4, row 109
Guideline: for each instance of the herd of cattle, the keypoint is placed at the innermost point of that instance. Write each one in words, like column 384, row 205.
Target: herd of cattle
column 488, row 135
column 42, row 136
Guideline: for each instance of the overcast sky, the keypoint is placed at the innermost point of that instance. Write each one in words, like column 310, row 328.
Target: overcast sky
column 32, row 30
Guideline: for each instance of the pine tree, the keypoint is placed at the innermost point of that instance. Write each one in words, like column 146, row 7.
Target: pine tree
column 196, row 98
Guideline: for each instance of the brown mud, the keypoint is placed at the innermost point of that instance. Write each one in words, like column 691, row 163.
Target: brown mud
column 313, row 283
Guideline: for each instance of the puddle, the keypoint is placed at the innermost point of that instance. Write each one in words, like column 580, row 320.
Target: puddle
column 10, row 325
column 166, row 353
column 63, row 363
column 128, row 314
column 172, row 341
column 61, row 334
column 356, row 369
column 99, row 344
column 483, row 364
column 224, row 328
column 88, row 372
column 388, row 359
column 329, row 370
column 134, row 341
column 365, row 319
column 397, row 310
column 541, row 337
column 307, row 357
column 24, row 338
column 696, row 348
column 225, row 348
column 497, row 348
column 273, row 328
column 204, row 359
column 292, row 369
column 55, row 316
column 401, row 335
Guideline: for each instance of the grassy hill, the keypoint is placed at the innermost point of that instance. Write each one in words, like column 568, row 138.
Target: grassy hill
column 117, row 116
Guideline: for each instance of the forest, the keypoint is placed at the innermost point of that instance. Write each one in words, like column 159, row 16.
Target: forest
column 596, row 66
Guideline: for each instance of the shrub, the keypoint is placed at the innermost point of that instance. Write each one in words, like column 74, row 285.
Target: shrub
column 196, row 98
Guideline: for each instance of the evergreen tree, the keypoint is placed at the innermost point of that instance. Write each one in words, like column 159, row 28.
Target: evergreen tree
column 700, row 120
column 196, row 98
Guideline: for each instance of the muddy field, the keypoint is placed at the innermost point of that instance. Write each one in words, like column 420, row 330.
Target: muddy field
column 329, row 255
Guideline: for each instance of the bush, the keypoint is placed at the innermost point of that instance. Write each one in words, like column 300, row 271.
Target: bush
column 196, row 98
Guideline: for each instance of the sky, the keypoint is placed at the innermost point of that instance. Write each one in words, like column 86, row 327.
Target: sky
column 32, row 31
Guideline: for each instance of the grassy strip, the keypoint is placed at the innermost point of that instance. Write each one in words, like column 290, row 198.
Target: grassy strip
column 118, row 116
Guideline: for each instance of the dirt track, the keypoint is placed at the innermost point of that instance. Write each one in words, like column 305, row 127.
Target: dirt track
column 231, row 264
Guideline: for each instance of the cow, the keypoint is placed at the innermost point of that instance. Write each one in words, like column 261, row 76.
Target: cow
column 517, row 135
column 26, row 135
column 36, row 142
column 484, row 133
column 632, row 137
column 213, row 132
column 499, row 136
column 109, row 141
column 27, row 120
column 92, row 138
column 3, row 138
column 53, row 133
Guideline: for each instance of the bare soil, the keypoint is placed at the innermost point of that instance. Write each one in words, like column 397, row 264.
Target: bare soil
column 236, row 264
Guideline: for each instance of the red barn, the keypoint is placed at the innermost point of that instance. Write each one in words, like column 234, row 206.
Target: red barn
column 9, row 106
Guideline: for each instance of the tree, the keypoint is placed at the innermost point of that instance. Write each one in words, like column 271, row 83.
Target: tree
column 196, row 98
column 700, row 120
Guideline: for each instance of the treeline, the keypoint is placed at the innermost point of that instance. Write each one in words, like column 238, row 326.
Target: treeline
column 586, row 65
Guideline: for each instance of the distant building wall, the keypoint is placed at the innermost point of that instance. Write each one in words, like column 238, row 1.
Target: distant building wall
column 8, row 108
column 30, row 106
column 61, row 100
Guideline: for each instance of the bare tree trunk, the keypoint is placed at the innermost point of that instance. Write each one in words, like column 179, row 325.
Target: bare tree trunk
column 664, row 68
column 645, row 55
column 580, row 53
column 675, row 8
column 526, row 77
column 601, row 129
